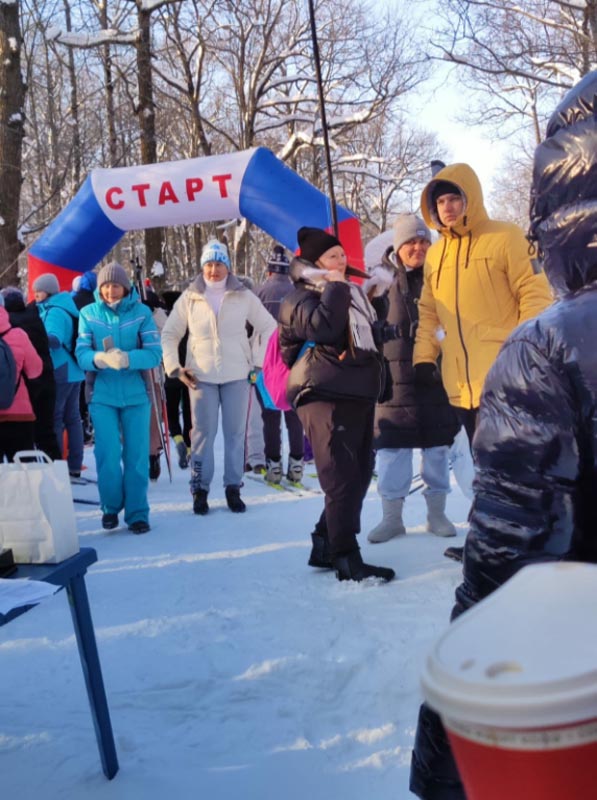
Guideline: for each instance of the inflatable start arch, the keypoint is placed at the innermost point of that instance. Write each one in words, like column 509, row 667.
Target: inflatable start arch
column 252, row 184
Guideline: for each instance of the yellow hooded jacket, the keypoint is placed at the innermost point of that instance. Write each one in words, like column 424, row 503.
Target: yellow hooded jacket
column 479, row 283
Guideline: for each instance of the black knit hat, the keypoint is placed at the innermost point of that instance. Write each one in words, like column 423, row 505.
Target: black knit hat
column 278, row 261
column 314, row 242
column 443, row 187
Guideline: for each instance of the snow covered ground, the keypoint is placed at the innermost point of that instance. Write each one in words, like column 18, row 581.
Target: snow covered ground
column 233, row 670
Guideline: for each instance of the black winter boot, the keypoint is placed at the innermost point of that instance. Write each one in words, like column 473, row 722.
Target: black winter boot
column 320, row 554
column 139, row 527
column 350, row 567
column 154, row 467
column 233, row 499
column 200, row 502
column 109, row 522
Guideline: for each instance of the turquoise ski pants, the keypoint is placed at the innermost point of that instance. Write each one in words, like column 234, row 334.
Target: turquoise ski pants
column 122, row 459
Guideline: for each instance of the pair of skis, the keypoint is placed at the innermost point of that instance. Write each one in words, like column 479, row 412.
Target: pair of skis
column 294, row 487
column 156, row 379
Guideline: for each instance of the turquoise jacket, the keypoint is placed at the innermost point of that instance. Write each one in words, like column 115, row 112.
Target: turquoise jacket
column 59, row 315
column 131, row 328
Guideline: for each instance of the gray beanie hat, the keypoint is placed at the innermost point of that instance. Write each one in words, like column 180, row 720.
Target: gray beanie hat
column 47, row 283
column 407, row 227
column 113, row 273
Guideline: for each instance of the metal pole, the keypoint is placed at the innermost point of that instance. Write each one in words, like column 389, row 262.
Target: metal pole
column 324, row 124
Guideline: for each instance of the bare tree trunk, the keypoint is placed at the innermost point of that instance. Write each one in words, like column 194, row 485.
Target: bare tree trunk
column 12, row 123
column 146, row 112
column 74, row 106
column 109, row 85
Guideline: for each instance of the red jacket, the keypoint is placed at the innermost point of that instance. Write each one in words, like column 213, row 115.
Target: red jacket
column 29, row 365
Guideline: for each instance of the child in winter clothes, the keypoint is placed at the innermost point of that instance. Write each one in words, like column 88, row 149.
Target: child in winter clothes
column 17, row 421
column 59, row 314
column 118, row 341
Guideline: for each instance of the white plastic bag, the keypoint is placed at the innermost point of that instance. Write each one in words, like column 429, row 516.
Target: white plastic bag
column 37, row 514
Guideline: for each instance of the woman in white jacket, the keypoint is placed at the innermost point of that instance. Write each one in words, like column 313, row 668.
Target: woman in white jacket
column 215, row 310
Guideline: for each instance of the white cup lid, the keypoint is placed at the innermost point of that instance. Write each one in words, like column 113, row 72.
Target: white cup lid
column 526, row 656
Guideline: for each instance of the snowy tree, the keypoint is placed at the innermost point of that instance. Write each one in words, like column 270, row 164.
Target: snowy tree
column 12, row 126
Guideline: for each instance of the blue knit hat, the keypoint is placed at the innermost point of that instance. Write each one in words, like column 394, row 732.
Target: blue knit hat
column 215, row 251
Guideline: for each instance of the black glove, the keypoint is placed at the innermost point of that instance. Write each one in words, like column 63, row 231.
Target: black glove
column 403, row 331
column 427, row 374
column 377, row 329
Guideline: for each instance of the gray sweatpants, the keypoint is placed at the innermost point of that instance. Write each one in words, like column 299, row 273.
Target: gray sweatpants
column 206, row 401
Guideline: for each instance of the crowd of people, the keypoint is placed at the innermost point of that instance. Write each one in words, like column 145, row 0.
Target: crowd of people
column 396, row 362
column 483, row 329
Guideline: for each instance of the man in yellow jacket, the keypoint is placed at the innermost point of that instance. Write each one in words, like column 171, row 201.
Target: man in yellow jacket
column 480, row 282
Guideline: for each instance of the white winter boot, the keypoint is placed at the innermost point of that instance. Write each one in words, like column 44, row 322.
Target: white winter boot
column 437, row 522
column 295, row 469
column 391, row 524
column 273, row 472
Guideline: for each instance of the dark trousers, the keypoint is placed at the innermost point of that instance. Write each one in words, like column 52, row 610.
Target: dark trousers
column 272, row 432
column 15, row 436
column 177, row 400
column 43, row 400
column 468, row 419
column 341, row 435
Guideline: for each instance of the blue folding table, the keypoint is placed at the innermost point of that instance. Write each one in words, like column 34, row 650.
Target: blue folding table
column 70, row 575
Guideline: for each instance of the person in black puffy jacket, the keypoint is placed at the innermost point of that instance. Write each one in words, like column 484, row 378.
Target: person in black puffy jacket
column 536, row 442
column 334, row 387
column 417, row 416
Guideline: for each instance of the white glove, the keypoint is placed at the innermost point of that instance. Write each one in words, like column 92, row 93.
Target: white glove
column 113, row 359
column 378, row 282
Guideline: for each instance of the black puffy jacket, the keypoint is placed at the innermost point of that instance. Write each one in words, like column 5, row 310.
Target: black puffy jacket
column 536, row 442
column 331, row 370
column 415, row 415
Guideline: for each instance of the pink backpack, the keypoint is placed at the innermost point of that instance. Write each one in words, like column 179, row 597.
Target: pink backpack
column 273, row 378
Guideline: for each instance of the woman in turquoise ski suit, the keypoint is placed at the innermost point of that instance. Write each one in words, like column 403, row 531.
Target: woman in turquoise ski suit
column 119, row 403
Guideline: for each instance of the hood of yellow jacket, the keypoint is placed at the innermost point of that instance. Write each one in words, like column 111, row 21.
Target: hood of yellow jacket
column 465, row 178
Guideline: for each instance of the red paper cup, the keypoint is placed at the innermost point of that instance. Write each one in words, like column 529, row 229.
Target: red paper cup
column 515, row 682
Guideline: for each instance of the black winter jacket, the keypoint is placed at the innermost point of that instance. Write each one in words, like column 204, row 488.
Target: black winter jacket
column 535, row 446
column 536, row 450
column 331, row 370
column 415, row 415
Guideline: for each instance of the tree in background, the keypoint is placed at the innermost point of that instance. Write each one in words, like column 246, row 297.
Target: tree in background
column 12, row 129
column 225, row 75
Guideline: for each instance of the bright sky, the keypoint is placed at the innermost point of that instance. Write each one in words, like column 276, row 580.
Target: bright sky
column 440, row 108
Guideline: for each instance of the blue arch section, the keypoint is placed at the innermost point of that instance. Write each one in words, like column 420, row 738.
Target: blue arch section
column 279, row 201
column 80, row 236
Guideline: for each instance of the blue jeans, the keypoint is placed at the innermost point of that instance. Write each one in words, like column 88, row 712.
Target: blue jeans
column 395, row 471
column 206, row 399
column 67, row 417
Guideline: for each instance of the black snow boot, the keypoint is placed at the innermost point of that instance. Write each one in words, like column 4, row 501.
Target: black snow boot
column 233, row 499
column 455, row 553
column 154, row 467
column 109, row 522
column 139, row 527
column 320, row 553
column 350, row 567
column 200, row 502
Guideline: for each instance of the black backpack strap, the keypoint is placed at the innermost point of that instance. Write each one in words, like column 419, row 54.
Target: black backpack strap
column 20, row 373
